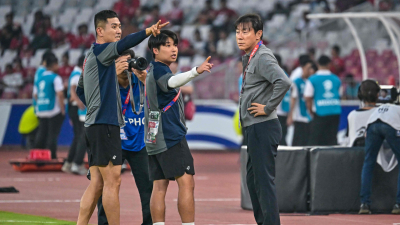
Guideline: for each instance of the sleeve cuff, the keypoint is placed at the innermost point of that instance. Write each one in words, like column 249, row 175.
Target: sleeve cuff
column 268, row 111
column 194, row 72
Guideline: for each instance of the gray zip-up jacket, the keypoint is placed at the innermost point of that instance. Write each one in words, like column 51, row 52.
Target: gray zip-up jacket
column 265, row 83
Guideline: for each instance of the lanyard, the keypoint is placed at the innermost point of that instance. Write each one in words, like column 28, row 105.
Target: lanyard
column 244, row 80
column 251, row 56
column 126, row 102
column 169, row 104
column 132, row 99
column 172, row 102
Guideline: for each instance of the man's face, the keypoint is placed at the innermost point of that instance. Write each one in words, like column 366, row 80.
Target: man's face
column 246, row 38
column 307, row 70
column 168, row 52
column 9, row 19
column 111, row 31
column 333, row 52
column 54, row 67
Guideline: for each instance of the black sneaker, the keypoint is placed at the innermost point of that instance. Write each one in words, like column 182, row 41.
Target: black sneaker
column 396, row 209
column 364, row 209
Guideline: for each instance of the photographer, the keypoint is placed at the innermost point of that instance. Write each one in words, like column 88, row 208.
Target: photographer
column 132, row 135
column 383, row 124
column 357, row 120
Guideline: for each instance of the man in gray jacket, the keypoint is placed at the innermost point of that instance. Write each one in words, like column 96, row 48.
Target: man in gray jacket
column 264, row 86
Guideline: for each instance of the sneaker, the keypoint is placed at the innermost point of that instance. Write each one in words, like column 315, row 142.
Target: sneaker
column 66, row 168
column 364, row 209
column 396, row 209
column 79, row 170
column 123, row 167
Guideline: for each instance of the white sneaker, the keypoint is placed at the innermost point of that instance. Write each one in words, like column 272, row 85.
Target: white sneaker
column 66, row 168
column 79, row 170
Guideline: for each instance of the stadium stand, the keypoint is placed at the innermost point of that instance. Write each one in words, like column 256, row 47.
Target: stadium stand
column 287, row 32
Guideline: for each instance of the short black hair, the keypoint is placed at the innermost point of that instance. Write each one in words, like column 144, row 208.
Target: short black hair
column 51, row 60
column 324, row 60
column 255, row 21
column 314, row 66
column 83, row 25
column 303, row 59
column 307, row 62
column 10, row 15
column 311, row 51
column 161, row 39
column 102, row 16
column 336, row 48
column 81, row 60
column 9, row 66
column 368, row 91
column 66, row 54
column 129, row 52
column 47, row 54
column 278, row 58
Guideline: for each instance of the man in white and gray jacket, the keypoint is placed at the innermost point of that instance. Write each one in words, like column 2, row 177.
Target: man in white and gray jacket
column 264, row 86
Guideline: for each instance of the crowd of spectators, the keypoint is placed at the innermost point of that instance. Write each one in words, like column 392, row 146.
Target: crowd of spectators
column 220, row 43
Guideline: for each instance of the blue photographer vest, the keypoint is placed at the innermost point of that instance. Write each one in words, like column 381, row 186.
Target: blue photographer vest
column 326, row 94
column 46, row 94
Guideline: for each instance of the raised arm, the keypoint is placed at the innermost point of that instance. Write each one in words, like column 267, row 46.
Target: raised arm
column 183, row 78
column 108, row 52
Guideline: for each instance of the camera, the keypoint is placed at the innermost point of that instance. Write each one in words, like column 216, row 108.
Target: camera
column 138, row 63
column 388, row 94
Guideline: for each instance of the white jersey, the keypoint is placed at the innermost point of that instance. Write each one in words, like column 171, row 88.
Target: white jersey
column 387, row 113
column 296, row 73
column 358, row 121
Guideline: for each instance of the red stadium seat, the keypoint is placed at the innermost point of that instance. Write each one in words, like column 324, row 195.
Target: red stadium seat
column 40, row 154
column 8, row 95
column 26, row 92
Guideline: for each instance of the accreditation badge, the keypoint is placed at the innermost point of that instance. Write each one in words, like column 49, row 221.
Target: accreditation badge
column 122, row 134
column 154, row 123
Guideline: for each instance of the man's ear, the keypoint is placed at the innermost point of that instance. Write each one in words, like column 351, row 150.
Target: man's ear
column 156, row 51
column 259, row 34
column 99, row 31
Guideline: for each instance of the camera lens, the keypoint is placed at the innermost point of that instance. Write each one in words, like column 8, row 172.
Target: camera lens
column 138, row 63
column 141, row 63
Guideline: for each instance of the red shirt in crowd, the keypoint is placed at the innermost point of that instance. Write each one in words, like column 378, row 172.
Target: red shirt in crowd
column 123, row 9
column 84, row 41
column 17, row 43
column 65, row 71
column 151, row 20
column 337, row 66
column 227, row 11
column 176, row 16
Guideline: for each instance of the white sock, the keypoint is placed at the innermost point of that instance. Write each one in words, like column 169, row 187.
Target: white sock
column 188, row 223
column 159, row 223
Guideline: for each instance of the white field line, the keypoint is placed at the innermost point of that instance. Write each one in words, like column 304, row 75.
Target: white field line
column 22, row 221
column 39, row 201
column 49, row 179
column 214, row 200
